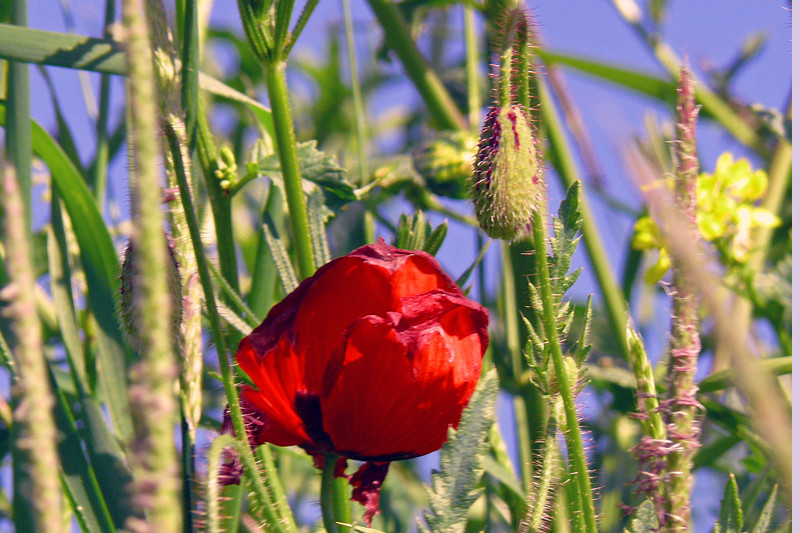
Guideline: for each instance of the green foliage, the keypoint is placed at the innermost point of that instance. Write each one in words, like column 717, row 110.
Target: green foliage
column 730, row 514
column 644, row 520
column 456, row 486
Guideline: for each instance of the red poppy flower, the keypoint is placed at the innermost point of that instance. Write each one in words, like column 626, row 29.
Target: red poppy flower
column 372, row 358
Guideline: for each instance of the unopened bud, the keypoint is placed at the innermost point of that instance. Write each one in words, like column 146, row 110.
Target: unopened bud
column 507, row 185
column 127, row 308
column 446, row 163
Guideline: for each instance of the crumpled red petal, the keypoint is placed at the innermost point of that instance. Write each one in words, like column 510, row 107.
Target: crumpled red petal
column 366, row 484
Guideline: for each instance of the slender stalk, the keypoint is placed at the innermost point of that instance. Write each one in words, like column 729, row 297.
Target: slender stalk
column 615, row 303
column 190, row 70
column 212, row 313
column 685, row 337
column 333, row 497
column 287, row 151
column 360, row 116
column 577, row 456
column 102, row 155
column 542, row 492
column 154, row 406
column 37, row 488
column 510, row 316
column 472, row 69
column 444, row 110
column 220, row 203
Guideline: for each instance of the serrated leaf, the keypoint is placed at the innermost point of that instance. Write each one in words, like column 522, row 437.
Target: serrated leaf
column 645, row 520
column 765, row 518
column 457, row 486
column 283, row 264
column 318, row 215
column 730, row 514
column 319, row 169
column 569, row 211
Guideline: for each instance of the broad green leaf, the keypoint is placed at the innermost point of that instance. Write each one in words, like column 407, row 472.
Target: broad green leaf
column 645, row 520
column 730, row 514
column 100, row 263
column 457, row 485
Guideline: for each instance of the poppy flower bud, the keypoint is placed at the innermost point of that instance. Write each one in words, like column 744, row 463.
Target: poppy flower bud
column 372, row 358
column 127, row 308
column 446, row 163
column 507, row 185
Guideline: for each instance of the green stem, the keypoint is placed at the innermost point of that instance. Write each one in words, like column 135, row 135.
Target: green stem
column 37, row 488
column 616, row 306
column 154, row 406
column 102, row 153
column 226, row 371
column 290, row 167
column 333, row 497
column 190, row 76
column 441, row 105
column 577, row 457
column 472, row 69
column 220, row 203
column 267, row 464
column 360, row 117
column 18, row 123
column 510, row 310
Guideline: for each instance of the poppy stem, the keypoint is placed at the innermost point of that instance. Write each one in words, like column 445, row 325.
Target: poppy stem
column 566, row 384
column 333, row 497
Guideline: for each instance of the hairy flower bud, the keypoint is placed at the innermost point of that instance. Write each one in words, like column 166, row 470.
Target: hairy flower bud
column 507, row 185
column 127, row 304
column 446, row 163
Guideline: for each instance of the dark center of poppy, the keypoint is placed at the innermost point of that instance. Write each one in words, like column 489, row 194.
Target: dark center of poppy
column 308, row 408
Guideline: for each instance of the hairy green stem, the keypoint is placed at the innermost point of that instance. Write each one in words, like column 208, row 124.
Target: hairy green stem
column 37, row 488
column 542, row 491
column 684, row 344
column 334, row 498
column 153, row 404
column 226, row 371
column 614, row 301
column 287, row 151
column 574, row 439
column 441, row 105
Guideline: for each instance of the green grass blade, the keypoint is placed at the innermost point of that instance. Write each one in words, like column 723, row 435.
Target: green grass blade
column 100, row 264
column 79, row 477
column 60, row 49
column 711, row 104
